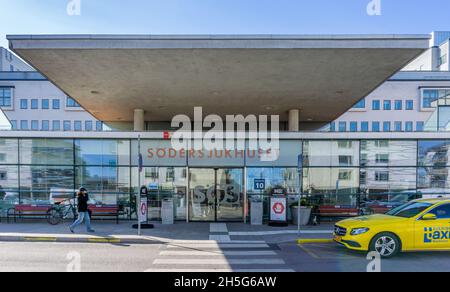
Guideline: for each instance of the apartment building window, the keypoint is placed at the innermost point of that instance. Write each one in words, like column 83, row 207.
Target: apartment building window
column 382, row 176
column 67, row 126
column 45, row 126
column 71, row 103
column 398, row 126
column 23, row 104
column 5, row 97
column 375, row 126
column 11, row 68
column 56, row 126
column 376, row 105
column 387, row 105
column 409, row 105
column 342, row 126
column 353, row 127
column 34, row 104
column 34, row 125
column 420, row 126
column 56, row 104
column 409, row 127
column 45, row 104
column 382, row 158
column 14, row 125
column 364, row 126
column 88, row 126
column 361, row 104
column 77, row 125
column 386, row 126
column 24, row 125
column 99, row 126
column 398, row 105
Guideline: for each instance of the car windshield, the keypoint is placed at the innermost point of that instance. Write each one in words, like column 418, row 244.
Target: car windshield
column 409, row 210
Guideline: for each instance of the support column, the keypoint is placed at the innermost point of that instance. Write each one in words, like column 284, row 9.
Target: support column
column 294, row 120
column 139, row 122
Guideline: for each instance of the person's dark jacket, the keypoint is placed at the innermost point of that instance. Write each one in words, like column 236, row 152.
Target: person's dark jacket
column 83, row 203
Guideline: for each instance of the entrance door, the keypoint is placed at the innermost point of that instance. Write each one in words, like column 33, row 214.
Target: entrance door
column 216, row 194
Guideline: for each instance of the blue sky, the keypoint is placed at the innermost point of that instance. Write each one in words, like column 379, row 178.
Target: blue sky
column 222, row 17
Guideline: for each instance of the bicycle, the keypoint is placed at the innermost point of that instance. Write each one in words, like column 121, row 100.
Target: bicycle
column 60, row 211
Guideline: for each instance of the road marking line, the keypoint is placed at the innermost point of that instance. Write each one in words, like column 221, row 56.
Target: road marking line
column 219, row 253
column 218, row 228
column 218, row 245
column 224, row 261
column 104, row 240
column 310, row 253
column 220, row 238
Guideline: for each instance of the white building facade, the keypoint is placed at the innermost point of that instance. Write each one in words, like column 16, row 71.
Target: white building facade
column 10, row 62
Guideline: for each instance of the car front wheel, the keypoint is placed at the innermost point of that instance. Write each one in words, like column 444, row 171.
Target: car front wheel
column 387, row 245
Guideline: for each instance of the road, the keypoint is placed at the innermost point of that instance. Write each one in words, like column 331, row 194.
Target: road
column 192, row 256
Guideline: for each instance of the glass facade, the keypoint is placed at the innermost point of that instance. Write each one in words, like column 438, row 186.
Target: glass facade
column 216, row 186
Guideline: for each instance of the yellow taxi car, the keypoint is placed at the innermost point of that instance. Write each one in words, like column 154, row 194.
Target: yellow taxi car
column 419, row 225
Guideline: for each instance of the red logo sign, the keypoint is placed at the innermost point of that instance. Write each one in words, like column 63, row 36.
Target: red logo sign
column 278, row 208
column 166, row 136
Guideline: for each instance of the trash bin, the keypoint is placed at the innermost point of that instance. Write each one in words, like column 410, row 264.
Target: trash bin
column 167, row 214
column 256, row 212
column 305, row 214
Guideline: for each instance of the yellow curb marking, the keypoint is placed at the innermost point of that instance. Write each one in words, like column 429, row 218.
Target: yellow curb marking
column 40, row 238
column 104, row 240
column 314, row 240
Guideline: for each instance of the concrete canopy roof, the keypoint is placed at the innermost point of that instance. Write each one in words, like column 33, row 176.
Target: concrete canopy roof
column 323, row 76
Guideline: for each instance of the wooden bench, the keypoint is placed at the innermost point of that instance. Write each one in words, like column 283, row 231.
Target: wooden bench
column 105, row 211
column 28, row 211
column 337, row 211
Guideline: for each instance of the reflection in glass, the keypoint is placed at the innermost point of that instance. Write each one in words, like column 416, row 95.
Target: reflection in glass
column 8, row 151
column 434, row 152
column 9, row 187
column 46, row 151
column 433, row 180
column 331, row 153
column 102, row 152
column 385, row 153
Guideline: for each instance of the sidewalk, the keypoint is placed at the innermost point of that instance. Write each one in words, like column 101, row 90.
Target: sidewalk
column 123, row 233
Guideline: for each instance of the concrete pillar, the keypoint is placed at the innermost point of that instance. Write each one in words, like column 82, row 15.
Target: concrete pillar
column 435, row 55
column 294, row 120
column 139, row 122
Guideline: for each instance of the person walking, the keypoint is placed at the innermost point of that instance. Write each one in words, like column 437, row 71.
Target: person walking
column 83, row 212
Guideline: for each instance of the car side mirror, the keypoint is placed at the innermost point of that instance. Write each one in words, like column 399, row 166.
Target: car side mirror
column 429, row 217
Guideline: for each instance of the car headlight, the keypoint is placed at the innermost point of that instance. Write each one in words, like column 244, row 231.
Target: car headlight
column 359, row 231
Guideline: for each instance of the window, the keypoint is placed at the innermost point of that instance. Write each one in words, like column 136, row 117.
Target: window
column 353, row 127
column 387, row 126
column 382, row 176
column 420, row 126
column 71, row 103
column 409, row 127
column 345, row 160
column 88, row 126
column 11, row 68
column 56, row 125
column 5, row 97
column 99, row 126
column 398, row 105
column 67, row 126
column 23, row 104
column 34, row 104
column 376, row 105
column 342, row 126
column 345, row 175
column 443, row 60
column 409, row 105
column 45, row 126
column 375, row 126
column 332, row 127
column 45, row 104
column 34, row 125
column 382, row 158
column 442, row 212
column 387, row 105
column 14, row 125
column 24, row 125
column 77, row 125
column 398, row 126
column 56, row 104
column 364, row 126
column 361, row 104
